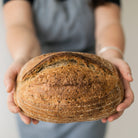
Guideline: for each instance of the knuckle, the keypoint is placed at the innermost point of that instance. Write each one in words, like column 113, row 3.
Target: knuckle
column 128, row 103
column 128, row 69
column 124, row 63
column 6, row 77
column 11, row 109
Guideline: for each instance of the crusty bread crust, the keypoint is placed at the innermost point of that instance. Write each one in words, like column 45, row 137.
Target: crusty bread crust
column 66, row 87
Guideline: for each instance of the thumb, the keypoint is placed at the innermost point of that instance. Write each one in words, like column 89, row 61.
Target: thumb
column 10, row 77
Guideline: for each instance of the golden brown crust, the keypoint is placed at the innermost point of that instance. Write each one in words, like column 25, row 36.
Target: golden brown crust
column 68, row 87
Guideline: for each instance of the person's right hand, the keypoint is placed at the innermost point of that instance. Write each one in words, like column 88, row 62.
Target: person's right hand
column 10, row 83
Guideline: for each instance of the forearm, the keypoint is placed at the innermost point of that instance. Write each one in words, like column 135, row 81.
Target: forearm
column 21, row 37
column 109, row 32
column 22, row 42
column 111, row 36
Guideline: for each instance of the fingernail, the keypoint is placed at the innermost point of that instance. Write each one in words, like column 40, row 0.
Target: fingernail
column 119, row 109
column 35, row 122
column 103, row 121
column 26, row 122
column 130, row 76
column 7, row 88
column 110, row 120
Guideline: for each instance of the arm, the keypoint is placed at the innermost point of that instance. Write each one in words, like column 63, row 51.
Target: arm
column 109, row 33
column 21, row 37
column 22, row 43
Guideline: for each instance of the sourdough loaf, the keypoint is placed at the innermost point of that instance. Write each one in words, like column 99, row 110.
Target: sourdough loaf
column 66, row 87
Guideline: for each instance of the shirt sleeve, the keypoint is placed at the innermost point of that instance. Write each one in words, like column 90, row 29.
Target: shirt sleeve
column 118, row 2
column 96, row 3
column 5, row 1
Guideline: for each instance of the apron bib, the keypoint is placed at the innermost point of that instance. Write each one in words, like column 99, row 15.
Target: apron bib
column 64, row 25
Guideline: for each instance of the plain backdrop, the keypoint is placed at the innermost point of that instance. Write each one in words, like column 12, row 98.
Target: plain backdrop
column 127, row 125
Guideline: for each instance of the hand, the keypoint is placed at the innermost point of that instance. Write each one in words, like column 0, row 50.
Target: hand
column 10, row 80
column 127, row 78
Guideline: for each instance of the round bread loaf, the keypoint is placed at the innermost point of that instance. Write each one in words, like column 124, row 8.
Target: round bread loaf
column 66, row 87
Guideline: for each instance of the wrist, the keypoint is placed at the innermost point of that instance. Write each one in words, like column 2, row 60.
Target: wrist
column 24, row 54
column 21, row 60
column 110, row 52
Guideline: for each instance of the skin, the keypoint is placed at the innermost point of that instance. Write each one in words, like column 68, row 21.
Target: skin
column 109, row 32
column 20, row 29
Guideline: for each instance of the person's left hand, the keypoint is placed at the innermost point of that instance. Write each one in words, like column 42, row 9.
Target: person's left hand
column 129, row 96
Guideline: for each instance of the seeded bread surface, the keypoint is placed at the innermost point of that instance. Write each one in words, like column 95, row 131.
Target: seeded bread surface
column 65, row 87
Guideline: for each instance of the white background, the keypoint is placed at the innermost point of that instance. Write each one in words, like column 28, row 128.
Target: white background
column 127, row 125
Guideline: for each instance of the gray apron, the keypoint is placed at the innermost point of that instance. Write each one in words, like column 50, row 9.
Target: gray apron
column 63, row 26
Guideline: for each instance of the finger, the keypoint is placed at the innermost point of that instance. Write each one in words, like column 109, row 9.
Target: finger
column 11, row 105
column 104, row 120
column 10, row 78
column 125, row 70
column 25, row 119
column 115, row 116
column 35, row 121
column 129, row 97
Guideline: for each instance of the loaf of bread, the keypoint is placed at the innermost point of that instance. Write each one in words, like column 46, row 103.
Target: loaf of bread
column 66, row 87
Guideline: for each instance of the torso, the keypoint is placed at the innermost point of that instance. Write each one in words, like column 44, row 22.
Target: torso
column 64, row 25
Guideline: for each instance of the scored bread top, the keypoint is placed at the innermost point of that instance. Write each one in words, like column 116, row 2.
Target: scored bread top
column 40, row 62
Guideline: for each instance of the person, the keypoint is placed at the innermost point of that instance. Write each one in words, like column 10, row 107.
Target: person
column 35, row 27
